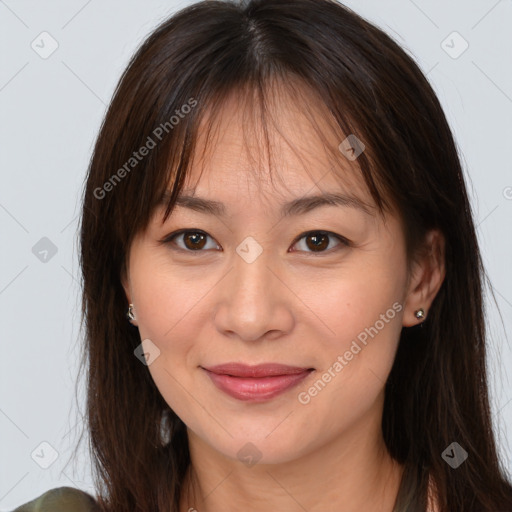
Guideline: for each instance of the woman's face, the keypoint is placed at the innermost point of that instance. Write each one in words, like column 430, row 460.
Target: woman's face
column 257, row 288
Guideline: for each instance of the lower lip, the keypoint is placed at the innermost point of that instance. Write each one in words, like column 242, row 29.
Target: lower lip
column 256, row 389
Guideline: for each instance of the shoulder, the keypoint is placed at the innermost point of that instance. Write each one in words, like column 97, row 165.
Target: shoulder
column 62, row 499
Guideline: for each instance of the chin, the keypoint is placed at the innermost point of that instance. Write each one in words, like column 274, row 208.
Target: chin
column 259, row 448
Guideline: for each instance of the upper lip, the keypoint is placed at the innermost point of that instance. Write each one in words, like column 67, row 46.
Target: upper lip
column 255, row 371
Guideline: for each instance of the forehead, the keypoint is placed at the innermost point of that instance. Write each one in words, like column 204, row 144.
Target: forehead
column 283, row 148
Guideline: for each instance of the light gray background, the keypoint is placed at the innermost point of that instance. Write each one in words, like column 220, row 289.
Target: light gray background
column 50, row 111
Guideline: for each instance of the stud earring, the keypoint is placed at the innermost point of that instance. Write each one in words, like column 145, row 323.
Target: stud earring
column 420, row 313
column 130, row 314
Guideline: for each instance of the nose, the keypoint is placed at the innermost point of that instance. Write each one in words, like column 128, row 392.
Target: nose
column 254, row 302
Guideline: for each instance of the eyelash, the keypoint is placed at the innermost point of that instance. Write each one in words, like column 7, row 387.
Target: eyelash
column 171, row 236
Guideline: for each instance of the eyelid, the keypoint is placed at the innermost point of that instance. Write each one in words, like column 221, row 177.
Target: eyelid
column 167, row 239
column 343, row 241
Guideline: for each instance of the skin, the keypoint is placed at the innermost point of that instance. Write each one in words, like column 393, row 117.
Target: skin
column 291, row 305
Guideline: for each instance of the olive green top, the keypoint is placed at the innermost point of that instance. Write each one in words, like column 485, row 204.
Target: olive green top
column 62, row 499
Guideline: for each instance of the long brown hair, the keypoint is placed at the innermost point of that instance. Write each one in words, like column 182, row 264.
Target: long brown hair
column 437, row 391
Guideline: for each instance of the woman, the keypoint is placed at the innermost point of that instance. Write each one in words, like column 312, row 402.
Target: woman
column 315, row 342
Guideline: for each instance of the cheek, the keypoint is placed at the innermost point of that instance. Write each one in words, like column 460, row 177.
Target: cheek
column 171, row 310
column 353, row 301
column 363, row 311
column 165, row 309
column 165, row 295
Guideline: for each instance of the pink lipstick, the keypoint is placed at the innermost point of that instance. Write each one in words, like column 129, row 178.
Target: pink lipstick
column 256, row 383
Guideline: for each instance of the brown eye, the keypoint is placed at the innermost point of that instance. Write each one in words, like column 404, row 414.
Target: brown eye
column 318, row 241
column 194, row 240
column 191, row 240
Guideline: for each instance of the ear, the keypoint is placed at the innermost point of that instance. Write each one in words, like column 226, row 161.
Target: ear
column 427, row 275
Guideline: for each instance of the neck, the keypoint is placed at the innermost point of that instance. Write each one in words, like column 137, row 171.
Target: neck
column 351, row 472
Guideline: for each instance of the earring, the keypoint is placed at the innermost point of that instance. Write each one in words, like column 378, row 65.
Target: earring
column 420, row 313
column 130, row 314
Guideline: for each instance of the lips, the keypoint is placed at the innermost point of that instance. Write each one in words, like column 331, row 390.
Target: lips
column 256, row 383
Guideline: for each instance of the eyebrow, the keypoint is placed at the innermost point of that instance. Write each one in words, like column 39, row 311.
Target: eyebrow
column 299, row 206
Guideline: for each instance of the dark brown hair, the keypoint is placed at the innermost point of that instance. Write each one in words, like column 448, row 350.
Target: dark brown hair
column 437, row 391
